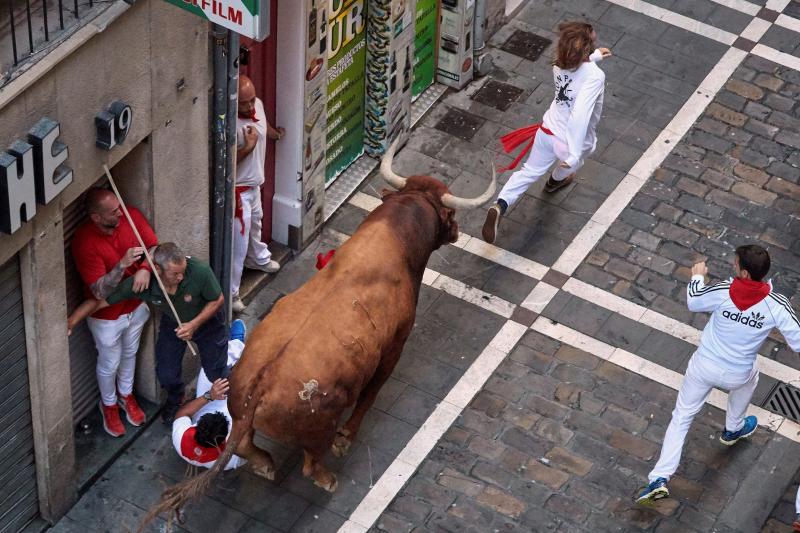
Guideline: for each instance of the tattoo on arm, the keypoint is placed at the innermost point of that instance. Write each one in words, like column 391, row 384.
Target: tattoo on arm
column 105, row 285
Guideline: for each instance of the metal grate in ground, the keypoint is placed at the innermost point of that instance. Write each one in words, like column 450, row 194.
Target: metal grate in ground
column 785, row 401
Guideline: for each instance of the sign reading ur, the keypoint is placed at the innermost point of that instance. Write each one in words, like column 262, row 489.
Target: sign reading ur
column 246, row 17
column 32, row 171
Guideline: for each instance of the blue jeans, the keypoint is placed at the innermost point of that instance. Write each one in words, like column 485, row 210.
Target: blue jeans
column 212, row 344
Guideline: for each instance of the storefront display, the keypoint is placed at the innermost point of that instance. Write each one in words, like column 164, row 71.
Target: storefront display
column 455, row 43
column 390, row 56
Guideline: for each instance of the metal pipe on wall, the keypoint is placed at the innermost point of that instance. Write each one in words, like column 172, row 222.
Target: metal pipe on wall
column 218, row 150
column 230, row 164
column 481, row 61
column 226, row 87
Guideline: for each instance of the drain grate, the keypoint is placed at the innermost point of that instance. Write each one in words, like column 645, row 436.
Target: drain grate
column 526, row 44
column 785, row 401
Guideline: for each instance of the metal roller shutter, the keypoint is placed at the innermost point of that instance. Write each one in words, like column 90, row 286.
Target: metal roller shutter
column 19, row 500
column 82, row 352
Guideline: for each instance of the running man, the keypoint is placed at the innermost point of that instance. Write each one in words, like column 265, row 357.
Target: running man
column 743, row 312
column 569, row 125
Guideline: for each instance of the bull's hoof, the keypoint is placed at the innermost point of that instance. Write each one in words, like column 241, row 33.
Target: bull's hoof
column 267, row 472
column 341, row 444
column 326, row 481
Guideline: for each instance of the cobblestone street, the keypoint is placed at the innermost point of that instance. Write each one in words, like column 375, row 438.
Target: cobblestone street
column 534, row 391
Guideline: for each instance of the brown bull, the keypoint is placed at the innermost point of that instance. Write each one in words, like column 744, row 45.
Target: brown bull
column 333, row 343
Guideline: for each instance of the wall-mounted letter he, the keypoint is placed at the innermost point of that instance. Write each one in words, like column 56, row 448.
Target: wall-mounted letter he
column 17, row 187
column 113, row 125
column 51, row 176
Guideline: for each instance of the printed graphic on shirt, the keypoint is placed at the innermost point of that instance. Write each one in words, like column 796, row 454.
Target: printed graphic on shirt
column 755, row 320
column 562, row 90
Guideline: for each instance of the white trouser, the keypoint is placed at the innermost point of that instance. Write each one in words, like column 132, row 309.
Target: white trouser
column 546, row 150
column 797, row 502
column 235, row 349
column 701, row 376
column 249, row 245
column 117, row 342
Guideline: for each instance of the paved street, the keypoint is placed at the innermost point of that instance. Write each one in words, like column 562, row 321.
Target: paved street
column 536, row 386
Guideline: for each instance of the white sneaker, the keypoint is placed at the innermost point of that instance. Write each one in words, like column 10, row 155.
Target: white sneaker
column 237, row 305
column 269, row 268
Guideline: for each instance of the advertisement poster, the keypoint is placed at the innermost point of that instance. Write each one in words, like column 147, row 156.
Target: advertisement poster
column 314, row 115
column 346, row 57
column 390, row 59
column 424, row 46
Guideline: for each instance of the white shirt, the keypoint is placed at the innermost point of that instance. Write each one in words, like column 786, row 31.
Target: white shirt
column 184, row 423
column 250, row 170
column 731, row 338
column 577, row 106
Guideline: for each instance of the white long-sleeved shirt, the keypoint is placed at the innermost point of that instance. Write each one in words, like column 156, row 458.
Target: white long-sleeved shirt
column 731, row 338
column 577, row 106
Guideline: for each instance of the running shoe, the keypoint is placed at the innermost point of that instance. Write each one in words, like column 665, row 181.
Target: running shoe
column 238, row 330
column 729, row 438
column 654, row 491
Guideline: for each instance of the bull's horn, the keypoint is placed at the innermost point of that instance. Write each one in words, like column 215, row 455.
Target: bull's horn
column 455, row 202
column 395, row 180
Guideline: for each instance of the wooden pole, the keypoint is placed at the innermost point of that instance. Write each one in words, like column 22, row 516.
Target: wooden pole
column 146, row 253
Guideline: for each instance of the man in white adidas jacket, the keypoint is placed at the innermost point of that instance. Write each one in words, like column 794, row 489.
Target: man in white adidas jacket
column 743, row 312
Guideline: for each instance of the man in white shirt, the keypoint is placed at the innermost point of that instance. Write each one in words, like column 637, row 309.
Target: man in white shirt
column 252, row 131
column 202, row 425
column 743, row 312
column 567, row 131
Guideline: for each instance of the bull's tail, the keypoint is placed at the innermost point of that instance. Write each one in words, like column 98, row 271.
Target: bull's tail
column 175, row 497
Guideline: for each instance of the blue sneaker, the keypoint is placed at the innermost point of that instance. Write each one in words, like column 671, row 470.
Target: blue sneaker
column 238, row 330
column 654, row 491
column 729, row 438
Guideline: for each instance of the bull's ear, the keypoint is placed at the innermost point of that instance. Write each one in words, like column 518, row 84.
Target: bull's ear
column 386, row 192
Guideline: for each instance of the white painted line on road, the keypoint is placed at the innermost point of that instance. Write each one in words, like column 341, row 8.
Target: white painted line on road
column 539, row 297
column 473, row 295
column 790, row 23
column 776, row 56
column 777, row 5
column 657, row 373
column 472, row 245
column 423, row 441
column 676, row 19
column 740, row 5
column 655, row 154
column 756, row 29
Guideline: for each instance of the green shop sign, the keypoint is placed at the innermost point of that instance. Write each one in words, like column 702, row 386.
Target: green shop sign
column 347, row 54
column 424, row 46
column 246, row 17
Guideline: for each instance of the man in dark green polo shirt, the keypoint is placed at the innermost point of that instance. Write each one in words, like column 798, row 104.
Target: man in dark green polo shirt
column 198, row 299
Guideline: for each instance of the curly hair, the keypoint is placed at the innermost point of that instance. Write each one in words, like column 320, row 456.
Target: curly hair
column 575, row 44
column 212, row 430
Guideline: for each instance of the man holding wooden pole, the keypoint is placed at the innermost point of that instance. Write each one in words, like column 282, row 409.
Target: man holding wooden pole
column 197, row 300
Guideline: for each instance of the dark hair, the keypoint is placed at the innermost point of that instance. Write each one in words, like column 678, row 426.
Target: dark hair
column 94, row 197
column 754, row 259
column 212, row 430
column 574, row 45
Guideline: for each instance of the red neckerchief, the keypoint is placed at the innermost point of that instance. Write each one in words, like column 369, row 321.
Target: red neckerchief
column 746, row 293
column 251, row 116
column 194, row 452
column 515, row 138
column 238, row 212
column 323, row 260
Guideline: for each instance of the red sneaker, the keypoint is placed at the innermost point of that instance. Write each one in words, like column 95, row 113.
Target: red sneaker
column 111, row 421
column 133, row 412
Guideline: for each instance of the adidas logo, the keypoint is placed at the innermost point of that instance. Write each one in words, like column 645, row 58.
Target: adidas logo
column 755, row 320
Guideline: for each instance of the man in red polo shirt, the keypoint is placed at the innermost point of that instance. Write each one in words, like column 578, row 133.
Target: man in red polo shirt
column 106, row 251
